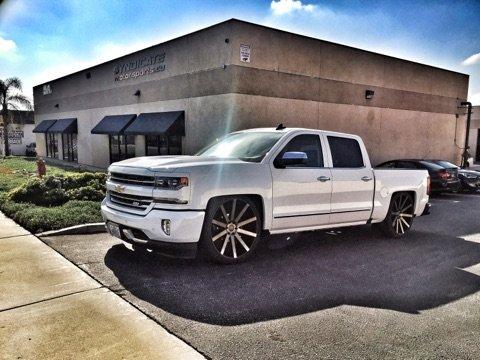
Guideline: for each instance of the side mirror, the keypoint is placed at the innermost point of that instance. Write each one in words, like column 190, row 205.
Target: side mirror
column 292, row 158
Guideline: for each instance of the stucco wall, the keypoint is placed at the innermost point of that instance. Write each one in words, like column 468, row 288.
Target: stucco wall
column 387, row 133
column 293, row 79
column 285, row 52
column 28, row 137
column 205, row 119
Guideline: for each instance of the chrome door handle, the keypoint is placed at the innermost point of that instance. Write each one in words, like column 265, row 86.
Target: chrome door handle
column 323, row 178
column 366, row 178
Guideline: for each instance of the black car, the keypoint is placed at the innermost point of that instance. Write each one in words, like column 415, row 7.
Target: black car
column 30, row 149
column 469, row 179
column 442, row 179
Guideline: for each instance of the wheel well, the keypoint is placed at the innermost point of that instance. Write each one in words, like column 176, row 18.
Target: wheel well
column 257, row 199
column 412, row 193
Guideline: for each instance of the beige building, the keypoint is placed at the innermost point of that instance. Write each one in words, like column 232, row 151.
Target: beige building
column 20, row 133
column 178, row 96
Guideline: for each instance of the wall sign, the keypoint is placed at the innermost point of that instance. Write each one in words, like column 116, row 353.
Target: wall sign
column 143, row 66
column 14, row 136
column 47, row 90
column 245, row 53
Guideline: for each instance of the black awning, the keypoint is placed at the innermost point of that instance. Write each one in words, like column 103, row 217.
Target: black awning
column 171, row 123
column 64, row 126
column 44, row 126
column 113, row 124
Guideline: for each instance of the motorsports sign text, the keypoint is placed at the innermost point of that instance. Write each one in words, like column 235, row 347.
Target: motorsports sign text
column 140, row 67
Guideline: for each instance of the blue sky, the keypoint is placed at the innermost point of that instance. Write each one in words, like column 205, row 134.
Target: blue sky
column 42, row 40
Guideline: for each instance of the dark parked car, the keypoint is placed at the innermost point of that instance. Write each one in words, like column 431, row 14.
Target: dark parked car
column 469, row 179
column 442, row 179
column 31, row 149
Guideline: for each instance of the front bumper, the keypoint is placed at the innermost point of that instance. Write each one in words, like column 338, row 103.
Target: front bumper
column 443, row 185
column 470, row 185
column 185, row 226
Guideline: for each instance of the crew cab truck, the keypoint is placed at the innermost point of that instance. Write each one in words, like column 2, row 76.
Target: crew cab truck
column 225, row 199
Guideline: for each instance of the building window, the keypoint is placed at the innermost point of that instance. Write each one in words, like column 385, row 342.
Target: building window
column 51, row 140
column 69, row 147
column 163, row 145
column 121, row 147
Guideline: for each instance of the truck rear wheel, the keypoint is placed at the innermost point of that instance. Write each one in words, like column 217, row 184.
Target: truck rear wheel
column 400, row 215
column 231, row 230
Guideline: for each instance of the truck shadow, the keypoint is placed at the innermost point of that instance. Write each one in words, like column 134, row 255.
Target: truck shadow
column 318, row 272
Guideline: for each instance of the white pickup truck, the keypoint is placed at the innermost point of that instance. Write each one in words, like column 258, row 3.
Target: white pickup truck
column 252, row 183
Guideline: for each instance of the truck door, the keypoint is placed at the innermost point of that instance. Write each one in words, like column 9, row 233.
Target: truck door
column 352, row 180
column 301, row 193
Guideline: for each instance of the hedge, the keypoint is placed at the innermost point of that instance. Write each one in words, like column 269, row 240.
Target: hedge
column 38, row 218
column 58, row 190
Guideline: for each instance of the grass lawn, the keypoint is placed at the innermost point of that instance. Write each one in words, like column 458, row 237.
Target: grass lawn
column 17, row 170
column 19, row 173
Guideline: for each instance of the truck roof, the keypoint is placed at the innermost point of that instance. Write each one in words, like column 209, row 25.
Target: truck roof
column 292, row 129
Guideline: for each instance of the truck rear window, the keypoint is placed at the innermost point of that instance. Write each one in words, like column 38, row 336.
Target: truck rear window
column 346, row 152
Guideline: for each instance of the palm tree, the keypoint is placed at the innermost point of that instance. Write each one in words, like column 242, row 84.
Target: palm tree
column 11, row 97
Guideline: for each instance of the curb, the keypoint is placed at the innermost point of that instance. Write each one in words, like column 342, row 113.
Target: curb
column 93, row 228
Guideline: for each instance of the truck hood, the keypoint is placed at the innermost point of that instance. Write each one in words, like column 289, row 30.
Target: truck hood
column 171, row 163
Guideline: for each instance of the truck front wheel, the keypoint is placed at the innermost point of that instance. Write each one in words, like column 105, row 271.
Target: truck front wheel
column 231, row 230
column 400, row 215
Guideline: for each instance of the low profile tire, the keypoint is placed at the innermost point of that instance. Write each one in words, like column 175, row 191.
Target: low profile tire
column 231, row 230
column 400, row 215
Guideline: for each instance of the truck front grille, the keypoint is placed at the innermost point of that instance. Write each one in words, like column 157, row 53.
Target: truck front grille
column 130, row 201
column 133, row 179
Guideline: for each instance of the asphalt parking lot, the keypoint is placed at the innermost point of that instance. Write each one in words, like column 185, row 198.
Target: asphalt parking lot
column 345, row 294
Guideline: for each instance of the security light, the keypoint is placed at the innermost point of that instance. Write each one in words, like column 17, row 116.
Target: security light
column 137, row 93
column 369, row 94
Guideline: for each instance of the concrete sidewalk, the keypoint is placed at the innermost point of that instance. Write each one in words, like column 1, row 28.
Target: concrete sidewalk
column 50, row 309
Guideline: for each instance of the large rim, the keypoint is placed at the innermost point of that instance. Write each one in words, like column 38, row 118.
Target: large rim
column 234, row 228
column 402, row 214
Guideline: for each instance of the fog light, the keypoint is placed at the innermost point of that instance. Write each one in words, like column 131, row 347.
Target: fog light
column 166, row 226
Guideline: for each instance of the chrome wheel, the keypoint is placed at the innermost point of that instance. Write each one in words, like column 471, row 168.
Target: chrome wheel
column 234, row 228
column 402, row 214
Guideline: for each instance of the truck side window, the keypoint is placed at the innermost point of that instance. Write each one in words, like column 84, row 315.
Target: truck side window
column 346, row 152
column 310, row 145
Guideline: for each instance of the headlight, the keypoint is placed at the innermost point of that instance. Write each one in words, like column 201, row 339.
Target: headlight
column 170, row 183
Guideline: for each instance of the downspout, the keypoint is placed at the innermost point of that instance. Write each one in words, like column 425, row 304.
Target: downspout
column 466, row 153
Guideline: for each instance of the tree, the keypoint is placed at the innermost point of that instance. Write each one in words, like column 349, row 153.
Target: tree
column 11, row 97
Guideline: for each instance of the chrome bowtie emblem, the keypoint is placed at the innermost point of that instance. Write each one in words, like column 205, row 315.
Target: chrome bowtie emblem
column 119, row 188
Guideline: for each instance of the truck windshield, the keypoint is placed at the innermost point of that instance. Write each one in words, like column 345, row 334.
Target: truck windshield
column 246, row 146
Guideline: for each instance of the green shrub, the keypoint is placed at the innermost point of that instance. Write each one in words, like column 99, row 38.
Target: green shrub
column 37, row 218
column 57, row 190
column 86, row 193
column 10, row 208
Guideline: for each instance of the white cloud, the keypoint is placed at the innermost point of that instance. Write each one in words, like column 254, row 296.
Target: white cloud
column 8, row 48
column 472, row 60
column 282, row 7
